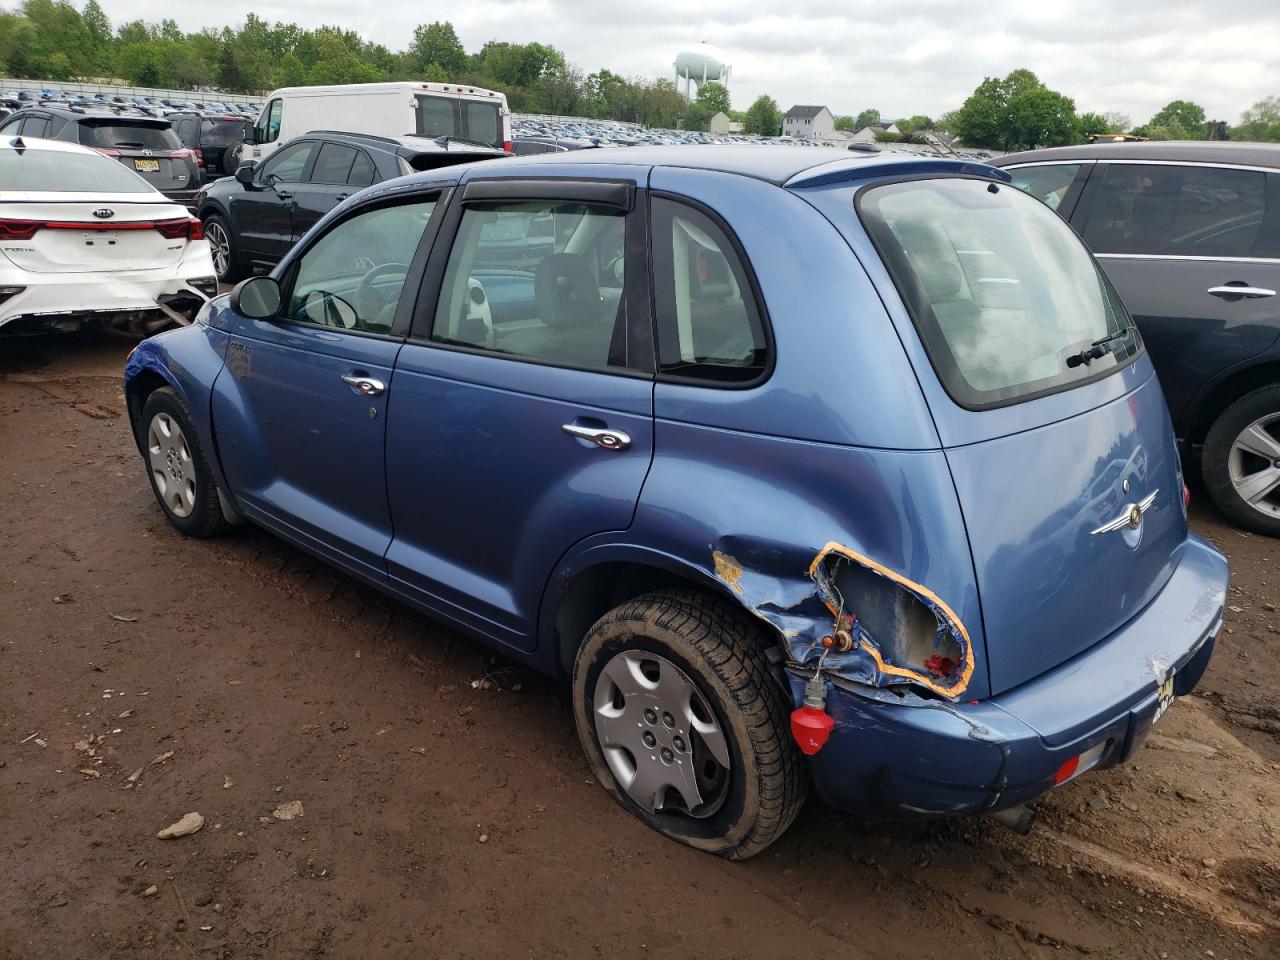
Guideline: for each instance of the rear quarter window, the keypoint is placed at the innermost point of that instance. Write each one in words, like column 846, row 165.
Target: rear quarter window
column 1009, row 304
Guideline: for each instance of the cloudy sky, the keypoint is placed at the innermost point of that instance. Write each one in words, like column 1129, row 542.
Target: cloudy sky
column 903, row 57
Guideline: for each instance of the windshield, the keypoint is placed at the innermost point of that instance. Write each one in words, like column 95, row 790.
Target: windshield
column 56, row 171
column 1008, row 301
column 129, row 136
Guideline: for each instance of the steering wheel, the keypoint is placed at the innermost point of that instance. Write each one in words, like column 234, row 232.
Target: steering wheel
column 368, row 301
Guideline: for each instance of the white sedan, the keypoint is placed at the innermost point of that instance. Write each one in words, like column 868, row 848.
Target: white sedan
column 86, row 243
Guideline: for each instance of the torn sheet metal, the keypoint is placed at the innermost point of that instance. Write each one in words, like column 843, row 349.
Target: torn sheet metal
column 806, row 607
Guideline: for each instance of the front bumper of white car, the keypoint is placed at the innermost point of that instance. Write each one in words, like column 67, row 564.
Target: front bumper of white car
column 142, row 301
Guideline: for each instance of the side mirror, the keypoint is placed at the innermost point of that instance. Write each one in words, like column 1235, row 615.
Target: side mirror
column 250, row 132
column 244, row 173
column 257, row 298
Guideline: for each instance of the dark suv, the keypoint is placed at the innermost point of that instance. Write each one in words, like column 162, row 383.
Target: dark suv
column 216, row 141
column 1189, row 234
column 253, row 219
column 146, row 145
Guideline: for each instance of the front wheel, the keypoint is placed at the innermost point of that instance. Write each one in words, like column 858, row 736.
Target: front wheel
column 179, row 474
column 1241, row 461
column 683, row 724
column 226, row 262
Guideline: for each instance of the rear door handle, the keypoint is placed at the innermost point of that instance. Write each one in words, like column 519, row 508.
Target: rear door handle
column 600, row 436
column 368, row 386
column 1248, row 293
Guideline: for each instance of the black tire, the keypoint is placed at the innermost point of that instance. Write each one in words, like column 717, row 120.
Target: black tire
column 721, row 649
column 1215, row 460
column 215, row 225
column 231, row 158
column 205, row 517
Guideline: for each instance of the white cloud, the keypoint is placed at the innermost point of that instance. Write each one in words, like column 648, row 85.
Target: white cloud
column 910, row 56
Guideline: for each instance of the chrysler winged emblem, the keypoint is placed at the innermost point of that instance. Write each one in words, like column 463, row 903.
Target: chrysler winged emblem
column 1130, row 517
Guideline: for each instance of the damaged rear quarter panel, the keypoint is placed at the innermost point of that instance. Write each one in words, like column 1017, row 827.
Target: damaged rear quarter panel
column 769, row 509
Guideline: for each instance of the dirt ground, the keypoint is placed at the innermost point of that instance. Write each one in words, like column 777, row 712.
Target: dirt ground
column 144, row 676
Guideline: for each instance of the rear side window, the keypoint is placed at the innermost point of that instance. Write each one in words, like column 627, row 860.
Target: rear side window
column 1048, row 184
column 362, row 171
column 1172, row 210
column 220, row 133
column 35, row 127
column 129, row 136
column 1008, row 301
column 709, row 326
column 333, row 165
column 542, row 280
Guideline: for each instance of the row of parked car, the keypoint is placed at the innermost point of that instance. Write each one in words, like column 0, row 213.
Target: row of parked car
column 752, row 584
column 547, row 135
column 16, row 99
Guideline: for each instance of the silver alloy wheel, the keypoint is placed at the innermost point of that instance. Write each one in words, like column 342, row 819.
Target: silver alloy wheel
column 220, row 247
column 662, row 742
column 171, row 467
column 1254, row 464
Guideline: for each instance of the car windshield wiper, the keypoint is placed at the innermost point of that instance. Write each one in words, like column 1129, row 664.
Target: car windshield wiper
column 446, row 140
column 1096, row 350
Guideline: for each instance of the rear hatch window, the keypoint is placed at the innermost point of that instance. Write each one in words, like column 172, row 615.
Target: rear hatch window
column 1009, row 303
column 114, row 135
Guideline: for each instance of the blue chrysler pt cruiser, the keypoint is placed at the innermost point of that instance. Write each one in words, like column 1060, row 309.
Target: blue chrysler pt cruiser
column 800, row 466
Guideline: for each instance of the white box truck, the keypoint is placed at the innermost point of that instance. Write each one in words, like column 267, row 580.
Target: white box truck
column 385, row 109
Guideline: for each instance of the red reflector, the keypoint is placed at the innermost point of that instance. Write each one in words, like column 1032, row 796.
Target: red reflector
column 1186, row 496
column 18, row 229
column 1066, row 771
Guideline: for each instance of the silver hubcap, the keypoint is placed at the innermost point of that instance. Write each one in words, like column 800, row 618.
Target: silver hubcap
column 171, row 468
column 660, row 739
column 1254, row 464
column 220, row 247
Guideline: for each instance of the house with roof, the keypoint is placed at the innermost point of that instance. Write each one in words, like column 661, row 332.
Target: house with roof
column 814, row 122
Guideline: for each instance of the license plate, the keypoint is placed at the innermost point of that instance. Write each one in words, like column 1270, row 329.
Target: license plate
column 147, row 166
column 1164, row 698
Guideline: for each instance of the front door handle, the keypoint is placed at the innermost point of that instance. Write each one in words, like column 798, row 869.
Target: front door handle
column 600, row 436
column 368, row 386
column 1247, row 293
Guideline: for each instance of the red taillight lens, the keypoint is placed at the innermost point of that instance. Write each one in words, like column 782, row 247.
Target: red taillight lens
column 18, row 229
column 1186, row 496
column 183, row 154
column 1066, row 771
column 188, row 229
column 199, row 157
column 507, row 146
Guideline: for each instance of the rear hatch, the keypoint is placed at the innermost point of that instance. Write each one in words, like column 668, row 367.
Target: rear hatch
column 73, row 233
column 1055, row 428
column 148, row 147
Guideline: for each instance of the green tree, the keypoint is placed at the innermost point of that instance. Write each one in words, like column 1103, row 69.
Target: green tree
column 715, row 97
column 764, row 117
column 915, row 123
column 1260, row 122
column 437, row 45
column 1179, row 120
column 1093, row 123
column 1117, row 122
column 866, row 118
column 1015, row 113
column 844, row 123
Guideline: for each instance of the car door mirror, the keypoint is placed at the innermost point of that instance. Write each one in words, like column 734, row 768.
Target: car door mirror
column 250, row 132
column 244, row 173
column 257, row 298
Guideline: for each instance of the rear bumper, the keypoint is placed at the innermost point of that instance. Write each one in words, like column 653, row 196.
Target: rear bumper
column 71, row 301
column 902, row 756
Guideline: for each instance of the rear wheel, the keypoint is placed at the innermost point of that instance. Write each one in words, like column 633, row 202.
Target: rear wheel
column 179, row 474
column 683, row 724
column 1241, row 461
column 226, row 263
